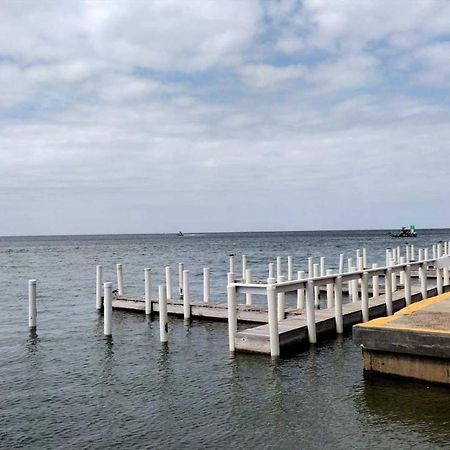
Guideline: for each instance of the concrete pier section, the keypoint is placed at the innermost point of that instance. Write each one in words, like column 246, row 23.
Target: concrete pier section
column 413, row 343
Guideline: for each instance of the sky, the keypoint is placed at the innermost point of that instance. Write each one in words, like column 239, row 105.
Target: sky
column 203, row 115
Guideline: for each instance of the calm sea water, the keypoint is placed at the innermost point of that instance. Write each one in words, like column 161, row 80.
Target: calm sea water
column 68, row 386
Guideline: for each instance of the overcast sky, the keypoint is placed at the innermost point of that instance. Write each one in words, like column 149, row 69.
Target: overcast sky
column 201, row 115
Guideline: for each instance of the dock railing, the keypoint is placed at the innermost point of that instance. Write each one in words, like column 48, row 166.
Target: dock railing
column 357, row 280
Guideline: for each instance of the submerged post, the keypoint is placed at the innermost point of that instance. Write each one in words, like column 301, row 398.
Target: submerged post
column 273, row 318
column 310, row 312
column 148, row 290
column 232, row 314
column 119, row 272
column 32, row 309
column 98, row 287
column 107, row 309
column 338, row 316
column 206, row 288
column 186, row 296
column 168, row 283
column 163, row 322
column 365, row 297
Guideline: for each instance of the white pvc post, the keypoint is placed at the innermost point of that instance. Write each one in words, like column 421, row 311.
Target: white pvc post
column 434, row 249
column 375, row 283
column 244, row 266
column 425, row 253
column 446, row 276
column 358, row 255
column 364, row 252
column 403, row 260
column 180, row 279
column 168, row 283
column 350, row 282
column 206, row 288
column 341, row 263
column 420, row 257
column 107, row 309
column 365, row 296
column 310, row 312
column 408, row 285
column 388, row 256
column 406, row 258
column 32, row 309
column 360, row 263
column 186, row 296
column 98, row 287
column 330, row 291
column 423, row 280
column 279, row 270
column 148, row 290
column 310, row 267
column 301, row 292
column 388, row 291
column 349, row 264
column 322, row 266
column 163, row 322
column 439, row 249
column 271, row 270
column 338, row 316
column 439, row 286
column 290, row 264
column 413, row 253
column 248, row 280
column 316, row 271
column 394, row 277
column 281, row 300
column 232, row 313
column 399, row 253
column 231, row 256
column 119, row 272
column 273, row 318
column 354, row 288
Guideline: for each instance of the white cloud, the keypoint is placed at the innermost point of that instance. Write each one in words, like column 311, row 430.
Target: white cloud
column 269, row 76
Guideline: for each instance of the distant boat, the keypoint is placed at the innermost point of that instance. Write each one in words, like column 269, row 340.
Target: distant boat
column 180, row 233
column 405, row 232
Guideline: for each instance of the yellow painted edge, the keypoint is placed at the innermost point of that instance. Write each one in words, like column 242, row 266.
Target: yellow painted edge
column 382, row 321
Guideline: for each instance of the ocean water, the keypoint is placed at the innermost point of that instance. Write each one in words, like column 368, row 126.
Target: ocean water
column 67, row 386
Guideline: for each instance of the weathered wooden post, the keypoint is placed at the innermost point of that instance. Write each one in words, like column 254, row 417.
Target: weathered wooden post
column 231, row 256
column 364, row 252
column 322, row 266
column 439, row 286
column 355, row 296
column 271, row 270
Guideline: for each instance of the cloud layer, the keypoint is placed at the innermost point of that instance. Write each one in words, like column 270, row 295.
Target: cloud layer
column 222, row 115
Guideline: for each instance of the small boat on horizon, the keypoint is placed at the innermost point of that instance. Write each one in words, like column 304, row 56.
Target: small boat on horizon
column 405, row 232
column 180, row 233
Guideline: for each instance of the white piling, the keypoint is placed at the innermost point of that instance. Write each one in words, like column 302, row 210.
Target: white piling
column 423, row 280
column 322, row 266
column 349, row 264
column 358, row 255
column 310, row 267
column 365, row 296
column 310, row 312
column 403, row 260
column 279, row 269
column 316, row 272
column 420, row 257
column 99, row 287
column 232, row 312
column 388, row 256
column 168, row 283
column 107, row 309
column 32, row 308
column 301, row 292
column 394, row 277
column 206, row 286
column 364, row 255
column 360, row 263
column 290, row 263
column 186, row 296
column 330, row 291
column 434, row 249
column 399, row 254
column 281, row 300
column 388, row 291
column 180, row 279
column 244, row 266
column 408, row 285
column 273, row 318
column 248, row 280
column 425, row 253
column 338, row 316
column 439, row 249
column 407, row 257
column 119, row 273
column 271, row 270
column 354, row 283
column 148, row 290
column 163, row 322
column 231, row 256
column 439, row 286
column 446, row 276
column 413, row 252
column 341, row 263
column 375, row 283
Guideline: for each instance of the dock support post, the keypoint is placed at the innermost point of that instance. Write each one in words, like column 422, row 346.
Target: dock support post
column 316, row 272
column 364, row 252
column 301, row 292
column 248, row 279
column 244, row 267
column 271, row 270
column 420, row 257
column 163, row 323
column 148, row 290
column 279, row 266
column 375, row 283
column 388, row 256
column 186, row 296
column 338, row 316
column 354, row 288
column 310, row 312
column 341, row 263
column 439, row 249
column 119, row 272
column 310, row 267
column 365, row 297
column 413, row 252
column 281, row 299
column 423, row 280
column 273, row 319
column 206, row 289
column 407, row 258
column 231, row 256
column 107, row 309
column 290, row 264
column 408, row 285
column 403, row 260
column 98, row 287
column 180, row 280
column 168, row 283
column 388, row 291
column 360, row 263
column 330, row 291
column 232, row 314
column 32, row 309
column 434, row 251
column 440, row 289
column 322, row 266
column 446, row 276
column 394, row 277
column 425, row 253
